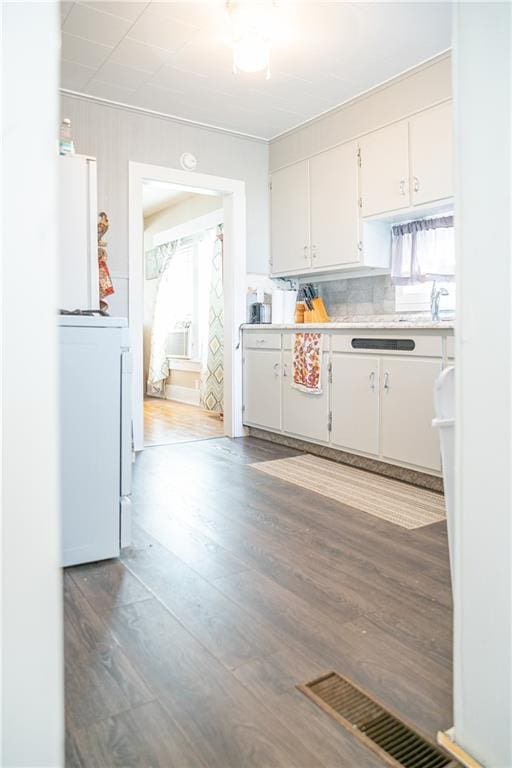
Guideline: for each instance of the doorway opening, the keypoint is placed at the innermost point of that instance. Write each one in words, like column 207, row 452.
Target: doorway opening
column 186, row 304
column 183, row 337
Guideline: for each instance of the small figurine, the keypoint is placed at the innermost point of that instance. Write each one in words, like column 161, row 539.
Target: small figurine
column 106, row 287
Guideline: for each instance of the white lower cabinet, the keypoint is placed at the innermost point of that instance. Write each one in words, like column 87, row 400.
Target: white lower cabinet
column 304, row 414
column 262, row 387
column 380, row 404
column 407, row 403
column 355, row 402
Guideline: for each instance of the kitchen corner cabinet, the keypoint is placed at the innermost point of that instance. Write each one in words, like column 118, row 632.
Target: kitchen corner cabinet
column 430, row 138
column 385, row 169
column 377, row 399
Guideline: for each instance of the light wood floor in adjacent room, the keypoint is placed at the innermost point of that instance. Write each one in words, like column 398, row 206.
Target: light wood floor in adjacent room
column 238, row 586
column 166, row 422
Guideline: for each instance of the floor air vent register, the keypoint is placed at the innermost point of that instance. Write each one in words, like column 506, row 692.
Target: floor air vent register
column 395, row 742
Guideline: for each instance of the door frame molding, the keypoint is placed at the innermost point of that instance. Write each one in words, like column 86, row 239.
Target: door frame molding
column 234, row 204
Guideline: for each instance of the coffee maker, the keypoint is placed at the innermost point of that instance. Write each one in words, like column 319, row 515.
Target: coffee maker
column 259, row 307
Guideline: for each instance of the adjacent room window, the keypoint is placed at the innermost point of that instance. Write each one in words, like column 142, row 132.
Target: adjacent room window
column 423, row 251
column 187, row 278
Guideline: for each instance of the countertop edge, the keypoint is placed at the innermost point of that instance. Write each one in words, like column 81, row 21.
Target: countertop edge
column 443, row 325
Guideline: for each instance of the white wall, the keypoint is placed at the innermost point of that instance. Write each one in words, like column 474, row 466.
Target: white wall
column 483, row 611
column 174, row 215
column 31, row 685
column 116, row 135
column 419, row 89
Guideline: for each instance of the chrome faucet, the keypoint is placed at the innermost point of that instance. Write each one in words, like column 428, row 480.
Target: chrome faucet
column 435, row 299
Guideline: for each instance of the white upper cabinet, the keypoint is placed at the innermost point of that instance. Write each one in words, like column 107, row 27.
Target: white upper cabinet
column 385, row 170
column 430, row 137
column 334, row 208
column 290, row 219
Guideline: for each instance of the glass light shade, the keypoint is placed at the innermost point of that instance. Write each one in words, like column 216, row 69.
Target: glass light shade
column 251, row 53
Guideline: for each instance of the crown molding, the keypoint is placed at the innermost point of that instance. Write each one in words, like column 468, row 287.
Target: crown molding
column 162, row 115
column 365, row 94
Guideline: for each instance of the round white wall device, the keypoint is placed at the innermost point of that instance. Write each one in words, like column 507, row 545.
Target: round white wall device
column 188, row 161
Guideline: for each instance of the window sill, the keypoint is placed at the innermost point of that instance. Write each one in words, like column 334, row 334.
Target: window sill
column 183, row 364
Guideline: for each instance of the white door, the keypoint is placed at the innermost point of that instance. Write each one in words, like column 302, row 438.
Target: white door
column 304, row 414
column 432, row 154
column 262, row 388
column 290, row 219
column 385, row 169
column 407, row 403
column 355, row 402
column 333, row 177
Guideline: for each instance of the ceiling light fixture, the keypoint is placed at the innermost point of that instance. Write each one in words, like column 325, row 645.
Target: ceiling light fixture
column 251, row 26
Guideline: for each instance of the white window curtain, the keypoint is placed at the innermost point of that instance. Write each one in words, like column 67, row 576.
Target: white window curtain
column 167, row 312
column 423, row 251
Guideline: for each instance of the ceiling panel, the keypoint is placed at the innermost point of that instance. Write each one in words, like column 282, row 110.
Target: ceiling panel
column 175, row 57
column 94, row 25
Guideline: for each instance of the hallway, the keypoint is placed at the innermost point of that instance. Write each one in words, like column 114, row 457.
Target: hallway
column 167, row 422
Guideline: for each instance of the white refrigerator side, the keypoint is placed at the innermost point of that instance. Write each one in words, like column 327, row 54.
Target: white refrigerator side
column 78, row 246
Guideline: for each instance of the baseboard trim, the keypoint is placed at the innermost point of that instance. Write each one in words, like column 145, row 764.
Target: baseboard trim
column 412, row 476
column 182, row 394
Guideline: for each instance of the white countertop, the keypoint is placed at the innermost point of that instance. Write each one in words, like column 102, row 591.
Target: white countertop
column 371, row 322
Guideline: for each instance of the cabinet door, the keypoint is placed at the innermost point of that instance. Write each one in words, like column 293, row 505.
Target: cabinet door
column 431, row 155
column 355, row 402
column 407, row 403
column 333, row 177
column 290, row 219
column 385, row 169
column 304, row 414
column 262, row 388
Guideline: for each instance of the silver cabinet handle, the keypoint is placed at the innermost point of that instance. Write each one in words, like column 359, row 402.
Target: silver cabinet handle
column 416, row 184
column 306, row 252
column 285, row 370
column 313, row 251
column 402, row 186
column 276, row 370
column 386, row 381
column 372, row 381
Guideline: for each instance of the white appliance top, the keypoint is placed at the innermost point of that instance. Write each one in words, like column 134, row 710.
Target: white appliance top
column 96, row 321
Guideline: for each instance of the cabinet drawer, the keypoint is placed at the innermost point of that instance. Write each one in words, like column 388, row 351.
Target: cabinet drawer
column 288, row 339
column 396, row 343
column 265, row 340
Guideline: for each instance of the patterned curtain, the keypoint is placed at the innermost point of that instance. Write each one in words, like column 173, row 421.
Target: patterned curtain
column 158, row 363
column 212, row 378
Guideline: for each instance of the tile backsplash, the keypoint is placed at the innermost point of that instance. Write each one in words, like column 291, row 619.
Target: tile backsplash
column 358, row 296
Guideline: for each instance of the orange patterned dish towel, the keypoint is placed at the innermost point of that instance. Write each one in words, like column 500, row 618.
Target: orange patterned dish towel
column 307, row 363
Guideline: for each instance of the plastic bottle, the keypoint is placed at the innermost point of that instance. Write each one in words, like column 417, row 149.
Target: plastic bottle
column 66, row 145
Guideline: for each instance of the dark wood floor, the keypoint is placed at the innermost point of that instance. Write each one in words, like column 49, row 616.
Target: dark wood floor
column 238, row 587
